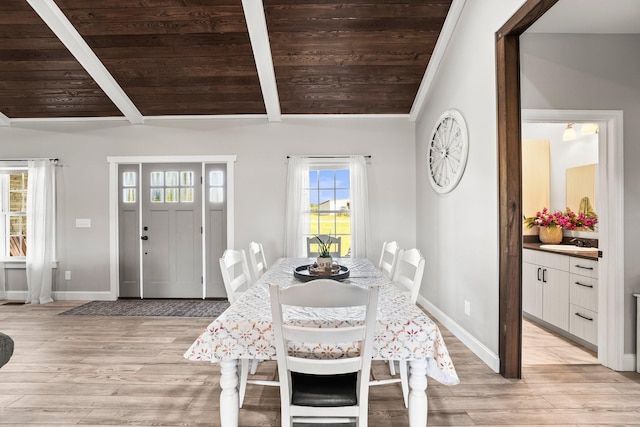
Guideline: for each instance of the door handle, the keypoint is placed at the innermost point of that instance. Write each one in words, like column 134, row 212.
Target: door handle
column 544, row 276
column 539, row 273
column 144, row 238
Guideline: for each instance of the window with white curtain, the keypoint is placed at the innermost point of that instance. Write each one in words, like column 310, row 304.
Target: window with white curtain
column 329, row 208
column 327, row 196
column 13, row 211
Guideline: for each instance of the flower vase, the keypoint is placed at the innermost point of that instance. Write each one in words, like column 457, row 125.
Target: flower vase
column 324, row 262
column 551, row 235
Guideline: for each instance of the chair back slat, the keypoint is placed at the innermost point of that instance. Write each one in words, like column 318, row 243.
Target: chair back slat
column 235, row 273
column 408, row 273
column 388, row 258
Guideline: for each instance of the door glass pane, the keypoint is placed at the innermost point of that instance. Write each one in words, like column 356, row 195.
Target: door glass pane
column 216, row 195
column 171, row 195
column 129, row 195
column 129, row 179
column 171, row 179
column 186, row 195
column 157, row 195
column 186, row 179
column 216, row 178
column 157, row 179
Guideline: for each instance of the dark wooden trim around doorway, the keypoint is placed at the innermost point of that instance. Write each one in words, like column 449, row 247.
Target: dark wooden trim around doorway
column 510, row 183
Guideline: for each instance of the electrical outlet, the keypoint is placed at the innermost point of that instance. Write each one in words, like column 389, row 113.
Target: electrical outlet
column 467, row 308
column 67, row 275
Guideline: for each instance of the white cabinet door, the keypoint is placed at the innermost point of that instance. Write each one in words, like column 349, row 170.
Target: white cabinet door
column 555, row 297
column 532, row 289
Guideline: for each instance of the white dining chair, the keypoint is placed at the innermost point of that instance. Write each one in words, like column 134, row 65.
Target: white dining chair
column 235, row 273
column 388, row 258
column 257, row 260
column 408, row 278
column 314, row 389
column 313, row 247
column 237, row 279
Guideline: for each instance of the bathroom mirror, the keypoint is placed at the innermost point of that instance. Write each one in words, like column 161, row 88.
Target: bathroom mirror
column 581, row 183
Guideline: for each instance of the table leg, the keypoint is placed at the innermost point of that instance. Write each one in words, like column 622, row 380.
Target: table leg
column 229, row 394
column 418, row 405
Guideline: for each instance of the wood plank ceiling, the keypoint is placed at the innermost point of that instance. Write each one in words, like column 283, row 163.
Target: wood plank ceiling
column 195, row 57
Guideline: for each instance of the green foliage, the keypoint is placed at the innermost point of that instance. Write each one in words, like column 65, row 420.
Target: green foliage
column 324, row 248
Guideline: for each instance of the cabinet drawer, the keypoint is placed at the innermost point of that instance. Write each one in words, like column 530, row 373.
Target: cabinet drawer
column 583, row 323
column 547, row 259
column 583, row 291
column 584, row 267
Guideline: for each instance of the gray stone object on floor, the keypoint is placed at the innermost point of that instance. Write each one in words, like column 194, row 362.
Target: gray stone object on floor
column 6, row 348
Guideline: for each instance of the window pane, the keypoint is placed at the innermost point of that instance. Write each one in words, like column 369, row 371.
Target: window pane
column 171, row 195
column 326, row 179
column 216, row 178
column 129, row 195
column 171, row 179
column 186, row 195
column 216, row 195
column 157, row 179
column 186, row 179
column 327, row 223
column 17, row 246
column 342, row 179
column 129, row 179
column 313, row 179
column 17, row 201
column 17, row 225
column 157, row 195
column 326, row 200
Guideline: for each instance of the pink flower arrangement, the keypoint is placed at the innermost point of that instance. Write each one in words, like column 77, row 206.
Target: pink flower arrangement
column 567, row 220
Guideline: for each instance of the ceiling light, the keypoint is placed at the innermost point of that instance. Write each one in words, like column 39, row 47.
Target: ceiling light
column 589, row 129
column 569, row 133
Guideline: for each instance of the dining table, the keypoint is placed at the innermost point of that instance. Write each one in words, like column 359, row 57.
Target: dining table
column 403, row 332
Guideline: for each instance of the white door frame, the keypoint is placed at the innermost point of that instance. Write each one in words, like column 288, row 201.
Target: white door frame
column 610, row 231
column 114, row 195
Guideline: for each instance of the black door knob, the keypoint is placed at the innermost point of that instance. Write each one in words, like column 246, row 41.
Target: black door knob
column 145, row 237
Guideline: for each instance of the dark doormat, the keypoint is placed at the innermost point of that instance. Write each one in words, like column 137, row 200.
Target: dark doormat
column 151, row 308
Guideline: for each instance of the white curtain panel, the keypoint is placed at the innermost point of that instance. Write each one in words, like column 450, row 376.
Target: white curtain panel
column 297, row 201
column 359, row 207
column 3, row 293
column 40, row 232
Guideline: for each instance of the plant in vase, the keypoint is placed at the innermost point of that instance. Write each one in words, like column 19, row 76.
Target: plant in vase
column 324, row 259
column 550, row 224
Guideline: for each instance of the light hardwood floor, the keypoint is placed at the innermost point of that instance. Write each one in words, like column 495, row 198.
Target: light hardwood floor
column 106, row 371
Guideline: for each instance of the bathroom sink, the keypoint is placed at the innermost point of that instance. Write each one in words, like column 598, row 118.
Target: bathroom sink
column 571, row 248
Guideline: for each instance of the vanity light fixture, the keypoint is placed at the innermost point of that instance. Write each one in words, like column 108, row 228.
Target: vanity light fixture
column 569, row 133
column 589, row 129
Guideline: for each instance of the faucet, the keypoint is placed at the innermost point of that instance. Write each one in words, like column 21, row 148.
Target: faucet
column 580, row 242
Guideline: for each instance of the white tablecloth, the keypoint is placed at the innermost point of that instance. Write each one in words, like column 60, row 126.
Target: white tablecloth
column 404, row 332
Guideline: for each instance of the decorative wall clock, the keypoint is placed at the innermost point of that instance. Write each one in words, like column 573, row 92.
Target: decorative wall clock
column 447, row 152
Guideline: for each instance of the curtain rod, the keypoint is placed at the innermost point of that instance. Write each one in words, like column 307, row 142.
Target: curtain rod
column 330, row 157
column 26, row 160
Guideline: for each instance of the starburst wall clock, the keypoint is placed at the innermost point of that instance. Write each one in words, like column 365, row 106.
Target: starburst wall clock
column 447, row 152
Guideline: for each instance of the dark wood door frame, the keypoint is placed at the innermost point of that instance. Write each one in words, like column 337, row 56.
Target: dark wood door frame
column 510, row 183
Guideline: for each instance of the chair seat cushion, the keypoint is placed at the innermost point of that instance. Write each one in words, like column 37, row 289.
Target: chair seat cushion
column 324, row 390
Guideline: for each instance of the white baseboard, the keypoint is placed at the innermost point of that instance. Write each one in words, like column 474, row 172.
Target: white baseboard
column 64, row 296
column 629, row 362
column 483, row 352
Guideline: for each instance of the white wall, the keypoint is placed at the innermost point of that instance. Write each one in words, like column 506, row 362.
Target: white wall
column 260, row 176
column 594, row 72
column 458, row 232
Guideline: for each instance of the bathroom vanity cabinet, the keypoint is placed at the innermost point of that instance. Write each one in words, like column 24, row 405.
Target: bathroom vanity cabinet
column 561, row 291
